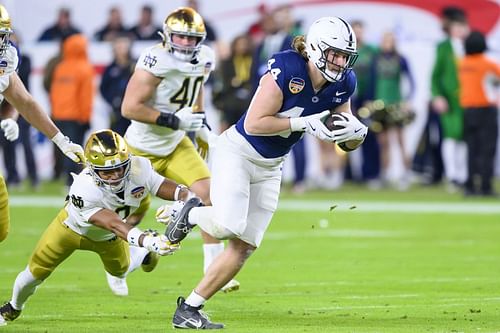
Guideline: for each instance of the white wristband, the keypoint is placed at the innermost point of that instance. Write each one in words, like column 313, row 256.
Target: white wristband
column 178, row 191
column 297, row 124
column 58, row 138
column 133, row 236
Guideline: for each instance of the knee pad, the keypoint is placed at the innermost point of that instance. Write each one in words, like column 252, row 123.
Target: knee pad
column 221, row 232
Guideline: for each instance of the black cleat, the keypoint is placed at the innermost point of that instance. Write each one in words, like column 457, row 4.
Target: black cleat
column 8, row 313
column 179, row 227
column 187, row 316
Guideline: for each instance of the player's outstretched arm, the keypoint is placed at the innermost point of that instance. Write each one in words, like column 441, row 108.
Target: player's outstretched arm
column 111, row 221
column 170, row 190
column 17, row 95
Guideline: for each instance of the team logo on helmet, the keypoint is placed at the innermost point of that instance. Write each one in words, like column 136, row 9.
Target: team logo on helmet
column 138, row 192
column 296, row 85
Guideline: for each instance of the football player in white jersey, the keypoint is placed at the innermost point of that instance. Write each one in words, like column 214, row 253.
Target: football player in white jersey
column 163, row 100
column 13, row 90
column 104, row 197
column 299, row 91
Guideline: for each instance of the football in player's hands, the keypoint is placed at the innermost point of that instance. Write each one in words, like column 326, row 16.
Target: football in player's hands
column 329, row 121
column 330, row 124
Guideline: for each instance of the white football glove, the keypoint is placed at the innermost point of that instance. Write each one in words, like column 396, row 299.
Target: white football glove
column 353, row 129
column 205, row 140
column 165, row 213
column 314, row 125
column 189, row 121
column 70, row 149
column 10, row 129
column 159, row 244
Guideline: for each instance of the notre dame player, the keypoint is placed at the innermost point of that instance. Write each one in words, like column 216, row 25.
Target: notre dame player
column 164, row 100
column 112, row 190
column 13, row 90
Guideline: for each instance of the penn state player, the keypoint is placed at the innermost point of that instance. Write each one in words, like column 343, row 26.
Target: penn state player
column 164, row 100
column 294, row 96
column 13, row 90
column 112, row 187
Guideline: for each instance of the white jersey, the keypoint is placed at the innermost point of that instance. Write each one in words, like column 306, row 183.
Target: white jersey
column 179, row 87
column 87, row 198
column 8, row 65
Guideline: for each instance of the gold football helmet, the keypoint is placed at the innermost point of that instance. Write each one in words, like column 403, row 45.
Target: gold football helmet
column 107, row 151
column 5, row 30
column 184, row 21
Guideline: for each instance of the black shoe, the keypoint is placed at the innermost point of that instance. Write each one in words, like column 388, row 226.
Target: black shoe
column 187, row 316
column 8, row 312
column 179, row 227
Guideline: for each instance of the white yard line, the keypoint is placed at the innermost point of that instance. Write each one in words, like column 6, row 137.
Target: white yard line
column 317, row 205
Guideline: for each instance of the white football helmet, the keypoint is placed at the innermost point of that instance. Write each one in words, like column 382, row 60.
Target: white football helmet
column 184, row 21
column 331, row 33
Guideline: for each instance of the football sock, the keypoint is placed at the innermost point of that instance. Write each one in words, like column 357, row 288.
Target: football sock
column 4, row 210
column 137, row 255
column 195, row 300
column 210, row 252
column 24, row 286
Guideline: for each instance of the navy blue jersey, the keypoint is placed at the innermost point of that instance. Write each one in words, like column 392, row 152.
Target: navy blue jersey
column 289, row 70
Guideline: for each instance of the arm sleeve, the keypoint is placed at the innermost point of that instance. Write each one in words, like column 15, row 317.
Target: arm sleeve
column 84, row 201
column 152, row 60
column 276, row 67
column 151, row 178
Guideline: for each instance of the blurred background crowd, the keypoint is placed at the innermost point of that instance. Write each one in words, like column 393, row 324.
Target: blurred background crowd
column 430, row 121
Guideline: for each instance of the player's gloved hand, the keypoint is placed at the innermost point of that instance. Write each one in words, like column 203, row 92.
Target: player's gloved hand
column 10, row 129
column 353, row 129
column 189, row 121
column 158, row 244
column 70, row 149
column 165, row 213
column 205, row 139
column 314, row 125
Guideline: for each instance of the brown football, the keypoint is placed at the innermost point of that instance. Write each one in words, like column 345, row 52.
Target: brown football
column 329, row 121
column 345, row 146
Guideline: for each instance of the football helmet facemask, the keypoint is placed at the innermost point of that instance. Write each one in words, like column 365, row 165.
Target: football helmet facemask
column 107, row 151
column 184, row 21
column 5, row 30
column 331, row 33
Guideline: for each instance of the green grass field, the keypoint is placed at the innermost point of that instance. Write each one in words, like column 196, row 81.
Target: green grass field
column 419, row 261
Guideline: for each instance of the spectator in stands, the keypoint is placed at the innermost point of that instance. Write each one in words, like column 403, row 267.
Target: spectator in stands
column 389, row 69
column 145, row 28
column 61, row 29
column 256, row 30
column 10, row 156
column 369, row 170
column 232, row 86
column 72, row 93
column 211, row 34
column 477, row 74
column 114, row 82
column 445, row 96
column 113, row 28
